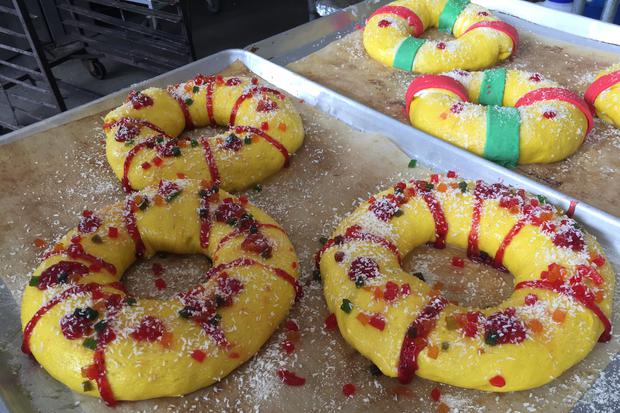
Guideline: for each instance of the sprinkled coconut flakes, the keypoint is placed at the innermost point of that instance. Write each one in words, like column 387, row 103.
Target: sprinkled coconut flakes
column 370, row 223
column 178, row 91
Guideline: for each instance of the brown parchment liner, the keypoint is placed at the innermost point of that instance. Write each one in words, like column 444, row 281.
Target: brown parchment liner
column 49, row 177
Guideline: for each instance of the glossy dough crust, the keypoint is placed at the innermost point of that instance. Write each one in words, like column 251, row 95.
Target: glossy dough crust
column 142, row 143
column 559, row 310
column 140, row 348
column 604, row 95
column 508, row 116
column 391, row 36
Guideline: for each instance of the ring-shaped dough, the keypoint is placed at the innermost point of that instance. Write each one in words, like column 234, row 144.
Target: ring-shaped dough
column 143, row 143
column 507, row 116
column 88, row 333
column 392, row 33
column 559, row 310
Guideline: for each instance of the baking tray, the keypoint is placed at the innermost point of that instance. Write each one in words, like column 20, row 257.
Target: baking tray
column 432, row 152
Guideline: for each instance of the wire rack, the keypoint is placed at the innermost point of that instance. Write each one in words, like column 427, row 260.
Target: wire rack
column 28, row 90
column 150, row 34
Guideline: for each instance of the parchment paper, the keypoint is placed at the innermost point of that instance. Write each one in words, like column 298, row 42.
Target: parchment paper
column 48, row 178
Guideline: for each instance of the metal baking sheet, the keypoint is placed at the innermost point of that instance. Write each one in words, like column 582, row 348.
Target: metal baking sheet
column 430, row 151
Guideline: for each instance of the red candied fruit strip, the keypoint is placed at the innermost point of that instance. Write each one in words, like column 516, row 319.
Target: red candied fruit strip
column 413, row 20
column 377, row 321
column 599, row 86
column 434, row 82
column 501, row 26
column 558, row 93
column 598, row 260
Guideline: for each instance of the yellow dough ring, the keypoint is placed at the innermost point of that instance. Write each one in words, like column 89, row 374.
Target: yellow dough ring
column 603, row 95
column 391, row 36
column 558, row 311
column 143, row 144
column 92, row 336
column 508, row 116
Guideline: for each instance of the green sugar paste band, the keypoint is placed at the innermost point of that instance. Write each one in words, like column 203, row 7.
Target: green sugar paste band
column 450, row 13
column 502, row 144
column 492, row 87
column 406, row 53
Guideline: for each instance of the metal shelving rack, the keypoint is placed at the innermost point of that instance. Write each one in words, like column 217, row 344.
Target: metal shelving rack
column 153, row 35
column 149, row 34
column 26, row 78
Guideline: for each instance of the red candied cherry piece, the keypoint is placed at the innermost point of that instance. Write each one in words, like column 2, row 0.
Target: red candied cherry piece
column 391, row 291
column 348, row 389
column 113, row 232
column 289, row 378
column 497, row 381
column 150, row 329
column 458, row 262
column 331, row 323
column 531, row 299
column 74, row 326
column 291, row 325
column 160, row 284
column 288, row 346
column 198, row 355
